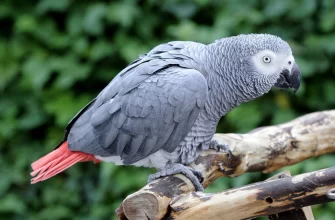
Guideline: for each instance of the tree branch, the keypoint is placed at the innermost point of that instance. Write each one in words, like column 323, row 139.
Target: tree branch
column 304, row 213
column 262, row 150
column 259, row 199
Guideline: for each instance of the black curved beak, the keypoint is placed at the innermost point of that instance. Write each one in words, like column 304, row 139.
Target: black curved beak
column 289, row 79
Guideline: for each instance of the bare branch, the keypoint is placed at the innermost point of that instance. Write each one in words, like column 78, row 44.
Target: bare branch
column 259, row 199
column 262, row 150
column 304, row 213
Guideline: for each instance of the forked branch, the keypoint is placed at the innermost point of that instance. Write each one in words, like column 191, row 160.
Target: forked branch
column 264, row 149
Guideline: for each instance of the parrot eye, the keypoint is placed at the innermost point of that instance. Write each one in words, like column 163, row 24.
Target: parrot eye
column 266, row 59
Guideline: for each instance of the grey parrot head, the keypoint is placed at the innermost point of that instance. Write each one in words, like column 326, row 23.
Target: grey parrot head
column 263, row 61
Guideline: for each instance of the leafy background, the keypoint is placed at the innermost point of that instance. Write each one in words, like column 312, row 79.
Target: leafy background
column 55, row 56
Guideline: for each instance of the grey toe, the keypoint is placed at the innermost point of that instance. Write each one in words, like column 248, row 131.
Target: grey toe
column 193, row 175
column 221, row 147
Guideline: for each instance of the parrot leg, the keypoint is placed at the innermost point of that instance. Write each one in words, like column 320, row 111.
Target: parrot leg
column 195, row 176
column 221, row 147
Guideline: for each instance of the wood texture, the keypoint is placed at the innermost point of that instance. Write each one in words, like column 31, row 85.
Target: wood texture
column 264, row 149
column 304, row 213
column 254, row 200
column 296, row 214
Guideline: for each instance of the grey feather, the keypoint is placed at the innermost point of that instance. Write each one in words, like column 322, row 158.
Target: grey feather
column 108, row 138
column 172, row 98
column 150, row 143
column 122, row 141
column 159, row 112
column 100, row 116
column 132, row 148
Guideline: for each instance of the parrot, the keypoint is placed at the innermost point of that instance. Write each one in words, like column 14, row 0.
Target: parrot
column 162, row 110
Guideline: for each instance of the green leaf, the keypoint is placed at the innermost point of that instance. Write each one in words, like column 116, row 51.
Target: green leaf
column 56, row 211
column 70, row 70
column 302, row 8
column 8, row 72
column 100, row 50
column 320, row 42
column 123, row 13
column 187, row 30
column 50, row 5
column 26, row 23
column 283, row 115
column 245, row 117
column 276, row 8
column 32, row 117
column 181, row 10
column 12, row 203
column 74, row 23
column 130, row 48
column 80, row 46
column 329, row 91
column 64, row 106
column 93, row 20
column 36, row 71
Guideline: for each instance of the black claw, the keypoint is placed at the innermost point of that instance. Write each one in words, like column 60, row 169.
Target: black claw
column 221, row 147
column 199, row 176
column 230, row 154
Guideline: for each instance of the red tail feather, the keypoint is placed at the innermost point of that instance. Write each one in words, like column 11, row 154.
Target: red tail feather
column 57, row 161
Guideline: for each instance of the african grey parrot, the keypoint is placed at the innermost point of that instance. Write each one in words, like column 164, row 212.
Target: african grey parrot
column 162, row 110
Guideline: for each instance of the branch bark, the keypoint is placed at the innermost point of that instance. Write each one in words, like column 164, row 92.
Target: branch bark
column 304, row 213
column 259, row 199
column 264, row 149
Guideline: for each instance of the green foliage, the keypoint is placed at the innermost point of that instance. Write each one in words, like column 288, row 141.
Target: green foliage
column 57, row 55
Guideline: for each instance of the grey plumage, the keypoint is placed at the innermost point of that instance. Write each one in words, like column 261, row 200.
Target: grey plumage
column 171, row 99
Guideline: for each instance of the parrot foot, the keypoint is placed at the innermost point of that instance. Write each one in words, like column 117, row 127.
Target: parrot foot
column 221, row 147
column 195, row 176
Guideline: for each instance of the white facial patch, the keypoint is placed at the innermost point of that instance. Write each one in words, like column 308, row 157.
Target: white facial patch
column 268, row 62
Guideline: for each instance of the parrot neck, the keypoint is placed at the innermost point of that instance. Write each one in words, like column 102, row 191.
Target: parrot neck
column 226, row 91
column 221, row 97
column 228, row 87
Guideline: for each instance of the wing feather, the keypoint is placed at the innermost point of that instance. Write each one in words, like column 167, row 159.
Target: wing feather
column 149, row 106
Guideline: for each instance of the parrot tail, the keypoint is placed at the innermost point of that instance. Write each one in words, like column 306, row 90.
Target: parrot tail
column 57, row 161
